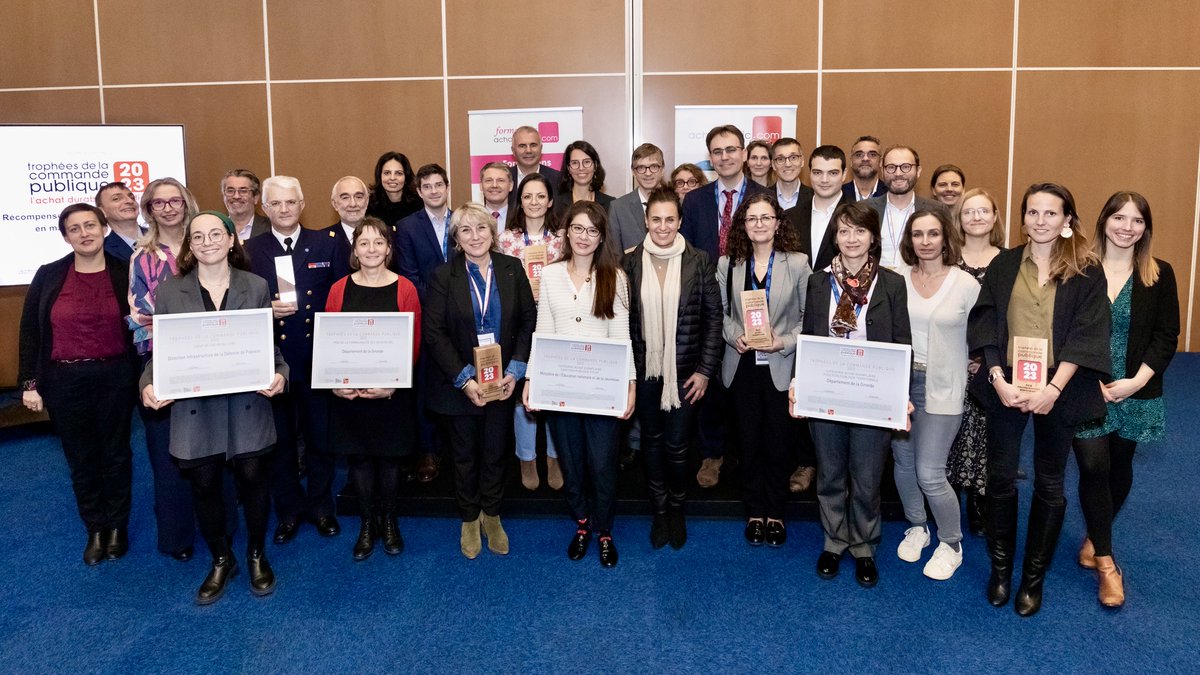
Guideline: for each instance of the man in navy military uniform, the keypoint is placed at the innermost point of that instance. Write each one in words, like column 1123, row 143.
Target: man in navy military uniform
column 300, row 411
column 349, row 199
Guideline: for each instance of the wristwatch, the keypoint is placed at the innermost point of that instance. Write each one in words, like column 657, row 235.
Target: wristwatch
column 996, row 373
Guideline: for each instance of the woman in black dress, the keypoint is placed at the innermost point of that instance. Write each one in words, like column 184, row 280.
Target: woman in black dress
column 374, row 427
column 394, row 192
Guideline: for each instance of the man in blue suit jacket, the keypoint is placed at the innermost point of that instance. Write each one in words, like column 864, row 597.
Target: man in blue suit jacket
column 704, row 210
column 316, row 266
column 121, row 211
column 423, row 243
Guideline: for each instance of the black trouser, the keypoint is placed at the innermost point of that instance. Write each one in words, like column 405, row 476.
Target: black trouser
column 587, row 453
column 478, row 444
column 368, row 471
column 716, row 426
column 1051, row 445
column 1105, row 479
column 252, row 476
column 764, row 432
column 91, row 406
column 664, row 444
column 305, row 411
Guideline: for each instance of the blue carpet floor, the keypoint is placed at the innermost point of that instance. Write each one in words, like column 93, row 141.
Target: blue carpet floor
column 715, row 606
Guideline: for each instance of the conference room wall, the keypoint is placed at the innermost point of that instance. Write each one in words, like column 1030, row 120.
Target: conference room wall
column 1105, row 94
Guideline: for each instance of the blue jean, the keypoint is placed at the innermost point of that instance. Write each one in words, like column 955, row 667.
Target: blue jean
column 525, row 426
column 920, row 470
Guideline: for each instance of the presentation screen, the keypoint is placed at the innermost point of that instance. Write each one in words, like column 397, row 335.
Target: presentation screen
column 45, row 168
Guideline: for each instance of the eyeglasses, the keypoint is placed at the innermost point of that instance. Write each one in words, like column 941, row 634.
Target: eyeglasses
column 215, row 237
column 240, row 192
column 869, row 154
column 980, row 212
column 691, row 182
column 765, row 220
column 789, row 159
column 902, row 168
column 723, row 152
column 647, row 168
column 160, row 204
column 580, row 230
column 290, row 203
column 580, row 163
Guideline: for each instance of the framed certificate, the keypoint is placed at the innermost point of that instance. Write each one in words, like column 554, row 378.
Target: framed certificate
column 362, row 350
column 854, row 381
column 210, row 353
column 584, row 375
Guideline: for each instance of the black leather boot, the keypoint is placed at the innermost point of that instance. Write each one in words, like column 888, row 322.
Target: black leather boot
column 93, row 552
column 393, row 541
column 976, row 516
column 262, row 577
column 677, row 527
column 117, row 544
column 364, row 546
column 1002, row 543
column 660, row 532
column 224, row 568
column 1045, row 524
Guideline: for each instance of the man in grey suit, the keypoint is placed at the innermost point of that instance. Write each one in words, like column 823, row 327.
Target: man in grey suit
column 901, row 169
column 627, row 214
column 240, row 189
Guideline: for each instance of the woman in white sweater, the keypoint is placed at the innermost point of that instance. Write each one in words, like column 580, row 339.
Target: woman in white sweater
column 586, row 295
column 940, row 297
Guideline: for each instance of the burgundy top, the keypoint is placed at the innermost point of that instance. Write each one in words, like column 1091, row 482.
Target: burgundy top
column 85, row 320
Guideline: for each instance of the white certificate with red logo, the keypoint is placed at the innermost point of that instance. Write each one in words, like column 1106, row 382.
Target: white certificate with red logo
column 582, row 375
column 210, row 353
column 855, row 381
column 362, row 350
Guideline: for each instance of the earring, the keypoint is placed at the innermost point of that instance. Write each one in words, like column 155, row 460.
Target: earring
column 1066, row 233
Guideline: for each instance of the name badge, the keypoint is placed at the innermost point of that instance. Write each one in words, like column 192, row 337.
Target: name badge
column 760, row 359
column 486, row 339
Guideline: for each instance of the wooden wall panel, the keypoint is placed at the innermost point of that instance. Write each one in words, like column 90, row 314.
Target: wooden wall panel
column 730, row 35
column 312, row 39
column 1110, row 145
column 50, row 43
column 66, row 106
column 1091, row 33
column 604, row 124
column 225, row 127
column 918, row 34
column 146, row 41
column 534, row 37
column 326, row 131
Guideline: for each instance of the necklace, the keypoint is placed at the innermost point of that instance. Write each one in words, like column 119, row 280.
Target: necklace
column 929, row 278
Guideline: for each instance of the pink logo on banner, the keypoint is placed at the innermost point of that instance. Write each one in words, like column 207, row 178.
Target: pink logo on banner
column 548, row 131
column 767, row 128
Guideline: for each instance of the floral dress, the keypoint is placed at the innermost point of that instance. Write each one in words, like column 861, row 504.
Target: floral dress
column 966, row 467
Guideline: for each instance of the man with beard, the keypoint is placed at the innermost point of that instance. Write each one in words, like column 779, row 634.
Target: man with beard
column 240, row 190
column 864, row 163
column 901, row 169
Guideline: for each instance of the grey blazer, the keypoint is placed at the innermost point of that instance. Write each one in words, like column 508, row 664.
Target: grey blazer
column 626, row 223
column 230, row 424
column 789, row 286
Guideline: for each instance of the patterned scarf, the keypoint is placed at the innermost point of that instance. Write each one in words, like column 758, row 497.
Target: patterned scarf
column 854, row 291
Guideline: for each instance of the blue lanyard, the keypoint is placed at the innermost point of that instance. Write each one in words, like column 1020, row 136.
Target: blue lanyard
column 738, row 193
column 480, row 302
column 837, row 296
column 767, row 281
column 544, row 237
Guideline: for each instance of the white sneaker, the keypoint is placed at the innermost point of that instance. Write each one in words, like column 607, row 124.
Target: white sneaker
column 915, row 540
column 943, row 563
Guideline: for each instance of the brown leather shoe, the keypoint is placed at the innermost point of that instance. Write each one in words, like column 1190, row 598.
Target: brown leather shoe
column 801, row 478
column 710, row 472
column 1087, row 554
column 428, row 469
column 1112, row 582
column 529, row 474
column 554, row 476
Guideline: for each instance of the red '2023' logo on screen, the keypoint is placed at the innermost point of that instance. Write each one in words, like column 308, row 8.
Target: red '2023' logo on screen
column 134, row 174
column 548, row 131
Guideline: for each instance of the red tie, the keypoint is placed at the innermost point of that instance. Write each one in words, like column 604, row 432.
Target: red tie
column 496, row 215
column 726, row 220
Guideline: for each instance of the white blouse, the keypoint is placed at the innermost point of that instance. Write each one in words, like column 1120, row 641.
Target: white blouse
column 567, row 311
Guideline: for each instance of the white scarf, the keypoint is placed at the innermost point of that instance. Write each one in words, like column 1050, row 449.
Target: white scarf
column 660, row 316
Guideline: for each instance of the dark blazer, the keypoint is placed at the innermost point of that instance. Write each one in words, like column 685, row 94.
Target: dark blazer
column 317, row 266
column 37, row 338
column 701, row 222
column 417, row 251
column 626, row 222
column 260, row 225
column 800, row 216
column 115, row 246
column 879, row 204
column 562, row 202
column 887, row 312
column 341, row 244
column 552, row 176
column 848, row 191
column 1082, row 325
column 448, row 330
column 229, row 424
column 698, row 340
column 1153, row 329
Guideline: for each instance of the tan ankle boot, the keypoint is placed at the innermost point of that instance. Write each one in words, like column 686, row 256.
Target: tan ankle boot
column 494, row 531
column 469, row 541
column 529, row 475
column 553, row 474
column 1112, row 583
column 1087, row 554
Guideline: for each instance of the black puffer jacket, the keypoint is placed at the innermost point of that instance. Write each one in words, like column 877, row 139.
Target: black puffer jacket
column 698, row 342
